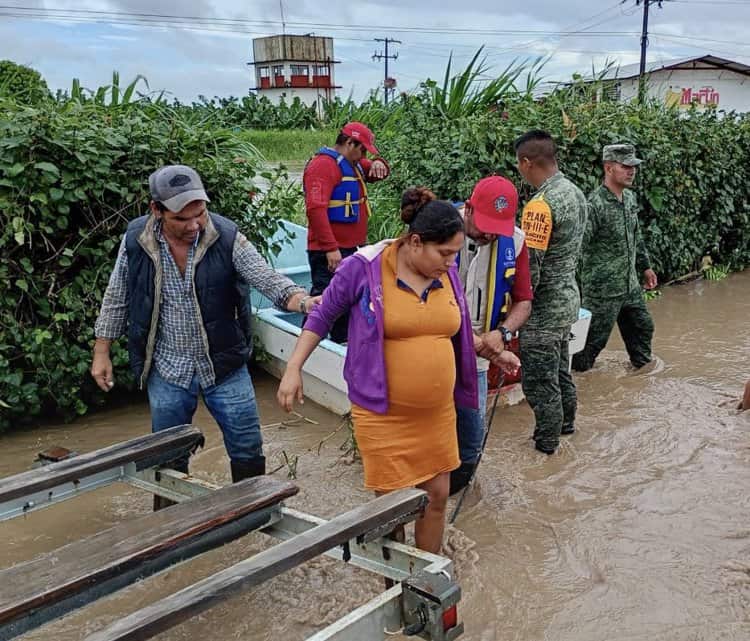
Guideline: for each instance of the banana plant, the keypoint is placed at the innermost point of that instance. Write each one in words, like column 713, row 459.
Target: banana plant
column 468, row 92
column 117, row 95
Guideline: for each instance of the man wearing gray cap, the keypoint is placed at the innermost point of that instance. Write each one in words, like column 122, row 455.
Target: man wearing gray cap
column 614, row 261
column 180, row 289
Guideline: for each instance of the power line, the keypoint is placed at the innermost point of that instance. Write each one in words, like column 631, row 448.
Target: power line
column 261, row 27
column 578, row 26
column 715, row 2
column 233, row 30
column 699, row 39
column 226, row 25
column 204, row 27
column 730, row 54
column 114, row 17
column 165, row 24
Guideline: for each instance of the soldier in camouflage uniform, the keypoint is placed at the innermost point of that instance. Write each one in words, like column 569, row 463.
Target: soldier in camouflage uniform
column 554, row 221
column 613, row 258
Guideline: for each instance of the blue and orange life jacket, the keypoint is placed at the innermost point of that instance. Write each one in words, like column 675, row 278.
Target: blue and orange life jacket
column 500, row 282
column 349, row 197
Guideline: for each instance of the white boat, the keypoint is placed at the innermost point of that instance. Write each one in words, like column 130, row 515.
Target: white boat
column 278, row 331
column 323, row 372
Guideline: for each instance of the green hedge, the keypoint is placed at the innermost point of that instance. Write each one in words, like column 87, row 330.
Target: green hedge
column 71, row 177
column 693, row 187
column 22, row 83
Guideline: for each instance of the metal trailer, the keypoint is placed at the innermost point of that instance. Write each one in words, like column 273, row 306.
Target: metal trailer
column 421, row 601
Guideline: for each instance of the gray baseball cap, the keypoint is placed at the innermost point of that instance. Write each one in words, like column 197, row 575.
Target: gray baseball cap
column 174, row 186
column 624, row 154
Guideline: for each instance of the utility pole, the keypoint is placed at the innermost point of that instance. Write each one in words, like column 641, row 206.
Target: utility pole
column 644, row 45
column 385, row 56
column 283, row 19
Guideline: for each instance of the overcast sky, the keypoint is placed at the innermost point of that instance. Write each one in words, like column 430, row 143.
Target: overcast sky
column 211, row 57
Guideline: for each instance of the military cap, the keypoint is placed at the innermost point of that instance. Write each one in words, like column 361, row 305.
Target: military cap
column 624, row 154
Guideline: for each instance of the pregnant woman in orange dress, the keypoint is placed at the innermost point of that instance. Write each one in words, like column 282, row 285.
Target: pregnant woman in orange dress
column 409, row 358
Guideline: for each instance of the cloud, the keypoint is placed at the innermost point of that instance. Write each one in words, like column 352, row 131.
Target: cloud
column 188, row 63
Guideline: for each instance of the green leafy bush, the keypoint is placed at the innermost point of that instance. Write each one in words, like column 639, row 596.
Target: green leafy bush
column 251, row 112
column 22, row 83
column 71, row 177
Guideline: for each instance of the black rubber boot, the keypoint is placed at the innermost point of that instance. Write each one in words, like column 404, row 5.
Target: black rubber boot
column 568, row 429
column 159, row 501
column 549, row 451
column 247, row 468
column 460, row 477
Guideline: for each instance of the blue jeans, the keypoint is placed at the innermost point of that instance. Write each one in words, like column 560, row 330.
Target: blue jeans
column 231, row 403
column 470, row 424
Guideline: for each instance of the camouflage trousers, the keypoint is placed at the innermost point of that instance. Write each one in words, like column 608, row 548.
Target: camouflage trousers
column 547, row 383
column 635, row 323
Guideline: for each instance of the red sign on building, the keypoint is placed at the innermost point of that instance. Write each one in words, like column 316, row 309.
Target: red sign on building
column 704, row 96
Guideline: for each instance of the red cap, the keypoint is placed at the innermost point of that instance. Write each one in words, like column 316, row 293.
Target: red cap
column 494, row 202
column 361, row 133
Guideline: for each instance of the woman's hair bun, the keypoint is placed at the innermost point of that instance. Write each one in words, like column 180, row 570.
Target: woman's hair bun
column 412, row 200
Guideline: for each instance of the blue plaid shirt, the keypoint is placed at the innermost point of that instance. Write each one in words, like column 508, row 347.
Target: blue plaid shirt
column 179, row 352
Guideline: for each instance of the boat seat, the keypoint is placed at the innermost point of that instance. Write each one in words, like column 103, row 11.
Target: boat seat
column 54, row 583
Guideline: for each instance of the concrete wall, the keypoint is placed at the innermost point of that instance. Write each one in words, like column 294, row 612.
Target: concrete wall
column 728, row 90
column 290, row 47
column 307, row 96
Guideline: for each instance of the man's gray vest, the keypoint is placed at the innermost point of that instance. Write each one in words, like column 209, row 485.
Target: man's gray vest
column 223, row 299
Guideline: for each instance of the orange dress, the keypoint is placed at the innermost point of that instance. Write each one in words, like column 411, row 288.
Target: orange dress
column 416, row 439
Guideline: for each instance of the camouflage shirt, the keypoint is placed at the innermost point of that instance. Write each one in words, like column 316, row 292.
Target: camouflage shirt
column 554, row 221
column 613, row 256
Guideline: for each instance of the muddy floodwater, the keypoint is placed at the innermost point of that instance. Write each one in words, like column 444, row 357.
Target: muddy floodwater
column 637, row 530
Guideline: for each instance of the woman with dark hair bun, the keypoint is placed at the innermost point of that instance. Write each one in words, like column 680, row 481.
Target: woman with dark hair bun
column 410, row 358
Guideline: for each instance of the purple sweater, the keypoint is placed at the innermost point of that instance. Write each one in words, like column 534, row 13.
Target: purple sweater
column 357, row 287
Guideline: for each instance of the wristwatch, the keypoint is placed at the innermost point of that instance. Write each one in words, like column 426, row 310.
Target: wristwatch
column 302, row 304
column 506, row 334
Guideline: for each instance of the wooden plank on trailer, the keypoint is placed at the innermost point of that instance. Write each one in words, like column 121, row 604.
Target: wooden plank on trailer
column 52, row 584
column 178, row 607
column 144, row 451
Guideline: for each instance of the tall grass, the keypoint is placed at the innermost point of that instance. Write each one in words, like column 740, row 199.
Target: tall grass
column 289, row 145
column 469, row 92
column 372, row 111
